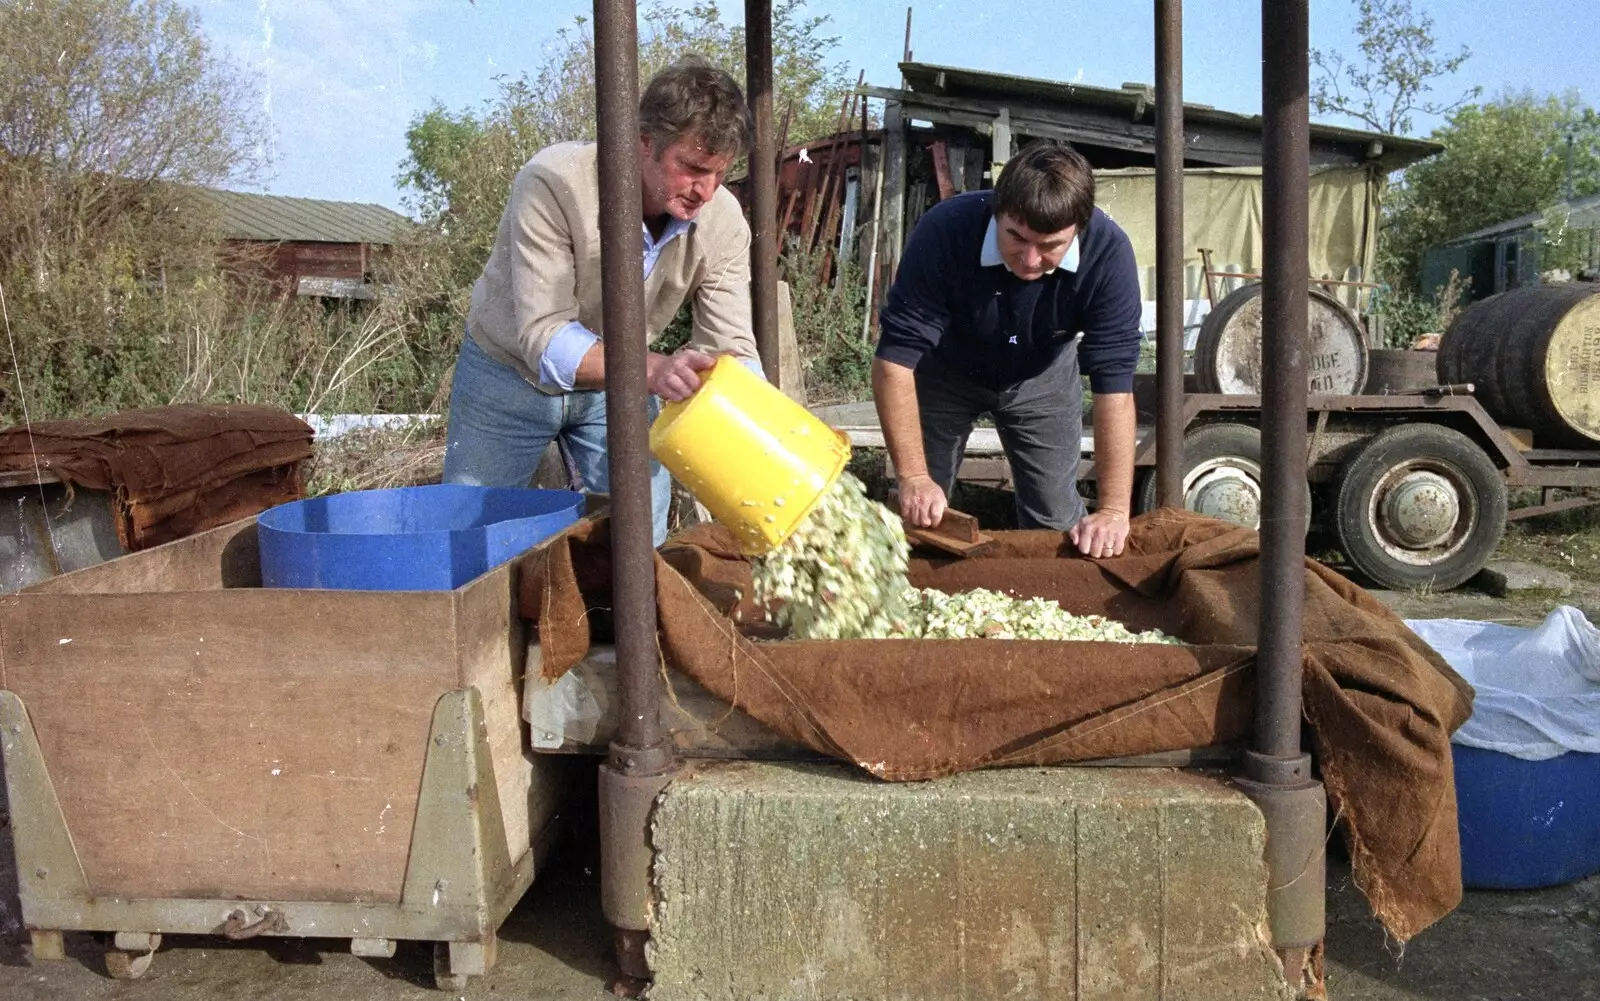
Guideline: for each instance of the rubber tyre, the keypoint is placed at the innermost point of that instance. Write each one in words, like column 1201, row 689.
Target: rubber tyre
column 1204, row 444
column 1442, row 450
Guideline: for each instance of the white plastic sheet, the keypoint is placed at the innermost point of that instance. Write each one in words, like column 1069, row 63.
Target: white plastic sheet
column 1538, row 690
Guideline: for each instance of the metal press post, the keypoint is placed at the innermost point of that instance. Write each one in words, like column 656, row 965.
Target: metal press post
column 641, row 762
column 1277, row 773
column 1169, row 253
column 763, row 185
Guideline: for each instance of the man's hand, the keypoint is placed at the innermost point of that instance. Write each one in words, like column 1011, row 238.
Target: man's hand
column 676, row 376
column 1101, row 534
column 922, row 503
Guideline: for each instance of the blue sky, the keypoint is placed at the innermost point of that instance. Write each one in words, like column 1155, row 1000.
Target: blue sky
column 341, row 79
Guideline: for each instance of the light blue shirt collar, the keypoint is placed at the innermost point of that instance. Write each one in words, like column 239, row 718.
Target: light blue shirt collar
column 990, row 256
column 675, row 227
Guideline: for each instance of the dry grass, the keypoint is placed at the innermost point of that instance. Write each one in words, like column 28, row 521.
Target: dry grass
column 377, row 459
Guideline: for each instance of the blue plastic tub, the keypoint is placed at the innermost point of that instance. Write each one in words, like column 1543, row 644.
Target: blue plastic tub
column 1527, row 824
column 428, row 538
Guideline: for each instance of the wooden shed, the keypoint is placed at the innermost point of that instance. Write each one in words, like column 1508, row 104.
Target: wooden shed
column 946, row 130
column 312, row 247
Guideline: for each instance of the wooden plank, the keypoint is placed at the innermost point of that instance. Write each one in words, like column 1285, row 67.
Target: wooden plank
column 223, row 557
column 791, row 365
column 1520, row 438
column 491, row 655
column 1215, row 145
column 27, row 478
column 892, row 233
column 983, row 441
column 1000, row 140
column 252, row 744
column 938, row 540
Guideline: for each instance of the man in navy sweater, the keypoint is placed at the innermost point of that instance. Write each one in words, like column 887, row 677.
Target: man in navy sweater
column 999, row 298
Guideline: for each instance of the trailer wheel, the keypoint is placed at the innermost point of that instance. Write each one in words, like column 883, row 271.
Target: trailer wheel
column 1221, row 474
column 1420, row 506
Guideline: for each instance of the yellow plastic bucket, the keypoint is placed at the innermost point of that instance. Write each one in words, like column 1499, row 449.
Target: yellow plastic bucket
column 756, row 459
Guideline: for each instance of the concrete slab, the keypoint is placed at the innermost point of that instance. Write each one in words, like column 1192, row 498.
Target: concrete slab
column 783, row 881
column 1505, row 578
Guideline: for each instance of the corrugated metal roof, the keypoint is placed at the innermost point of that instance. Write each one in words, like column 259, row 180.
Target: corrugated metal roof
column 929, row 78
column 247, row 216
column 1581, row 207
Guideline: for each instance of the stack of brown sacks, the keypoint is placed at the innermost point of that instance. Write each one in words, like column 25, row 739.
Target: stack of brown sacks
column 1379, row 703
column 172, row 471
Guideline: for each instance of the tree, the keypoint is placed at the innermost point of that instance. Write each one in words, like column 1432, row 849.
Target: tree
column 1502, row 159
column 460, row 164
column 1398, row 65
column 102, row 102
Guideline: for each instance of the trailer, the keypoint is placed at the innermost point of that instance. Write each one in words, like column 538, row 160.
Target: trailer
column 1415, row 490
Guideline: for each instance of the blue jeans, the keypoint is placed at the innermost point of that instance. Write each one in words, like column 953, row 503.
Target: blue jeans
column 500, row 426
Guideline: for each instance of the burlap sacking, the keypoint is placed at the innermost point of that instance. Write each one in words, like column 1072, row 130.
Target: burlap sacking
column 1379, row 703
column 174, row 470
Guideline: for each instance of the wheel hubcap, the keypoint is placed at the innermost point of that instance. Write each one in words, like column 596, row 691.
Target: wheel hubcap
column 1421, row 509
column 1226, row 493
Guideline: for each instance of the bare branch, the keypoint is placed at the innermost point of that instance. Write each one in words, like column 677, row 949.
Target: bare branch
column 1397, row 68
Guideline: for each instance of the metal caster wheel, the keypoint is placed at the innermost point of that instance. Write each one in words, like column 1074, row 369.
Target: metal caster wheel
column 128, row 955
column 124, row 965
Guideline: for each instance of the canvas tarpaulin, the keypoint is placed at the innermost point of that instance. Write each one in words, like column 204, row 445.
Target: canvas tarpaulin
column 1379, row 703
column 1222, row 209
column 172, row 471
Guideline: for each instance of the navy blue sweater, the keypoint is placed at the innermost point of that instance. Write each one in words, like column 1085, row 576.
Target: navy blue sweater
column 996, row 328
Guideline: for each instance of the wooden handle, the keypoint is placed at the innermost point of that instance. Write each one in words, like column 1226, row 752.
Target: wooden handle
column 958, row 525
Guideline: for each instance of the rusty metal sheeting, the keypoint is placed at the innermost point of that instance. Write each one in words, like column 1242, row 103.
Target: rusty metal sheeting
column 1169, row 251
column 763, row 184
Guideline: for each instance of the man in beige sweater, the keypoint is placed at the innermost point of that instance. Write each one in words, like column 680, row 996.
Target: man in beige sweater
column 531, row 367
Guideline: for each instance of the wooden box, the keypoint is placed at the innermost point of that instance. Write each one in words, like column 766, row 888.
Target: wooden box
column 210, row 740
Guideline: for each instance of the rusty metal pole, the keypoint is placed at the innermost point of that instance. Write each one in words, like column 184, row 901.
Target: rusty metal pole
column 763, row 185
column 1169, row 253
column 1277, row 773
column 641, row 762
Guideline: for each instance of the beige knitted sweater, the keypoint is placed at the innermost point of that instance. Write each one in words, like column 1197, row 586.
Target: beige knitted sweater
column 544, row 270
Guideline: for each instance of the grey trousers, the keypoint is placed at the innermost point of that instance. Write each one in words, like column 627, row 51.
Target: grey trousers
column 1040, row 421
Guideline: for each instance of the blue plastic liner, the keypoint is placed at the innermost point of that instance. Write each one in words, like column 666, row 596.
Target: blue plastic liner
column 427, row 538
column 1527, row 824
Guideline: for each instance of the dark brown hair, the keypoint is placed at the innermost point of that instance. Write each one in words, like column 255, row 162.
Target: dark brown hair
column 694, row 99
column 1047, row 186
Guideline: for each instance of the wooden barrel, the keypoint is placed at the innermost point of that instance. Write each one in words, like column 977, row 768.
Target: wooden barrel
column 1227, row 354
column 1392, row 372
column 1533, row 355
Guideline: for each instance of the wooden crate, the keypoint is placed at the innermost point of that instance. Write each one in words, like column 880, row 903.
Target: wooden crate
column 210, row 739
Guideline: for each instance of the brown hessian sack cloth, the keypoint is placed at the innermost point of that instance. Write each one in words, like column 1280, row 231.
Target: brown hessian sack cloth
column 174, row 470
column 1379, row 703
